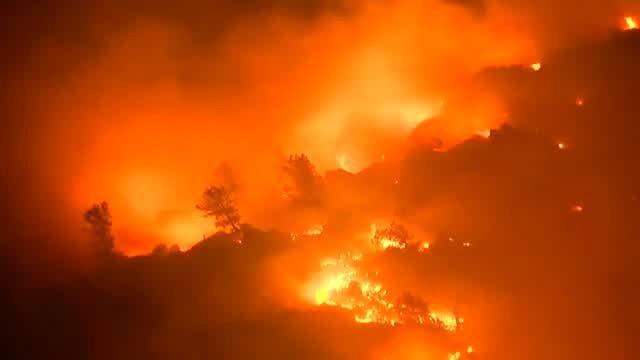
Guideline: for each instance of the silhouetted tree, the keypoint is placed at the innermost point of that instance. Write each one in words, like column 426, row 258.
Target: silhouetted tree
column 303, row 184
column 98, row 221
column 159, row 250
column 217, row 202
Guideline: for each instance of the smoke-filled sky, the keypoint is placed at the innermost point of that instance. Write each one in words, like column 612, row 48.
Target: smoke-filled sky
column 138, row 102
column 426, row 113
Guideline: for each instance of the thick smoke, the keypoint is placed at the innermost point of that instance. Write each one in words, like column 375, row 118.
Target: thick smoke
column 139, row 104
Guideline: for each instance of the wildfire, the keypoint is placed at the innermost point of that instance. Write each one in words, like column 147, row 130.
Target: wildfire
column 446, row 320
column 342, row 285
column 484, row 133
column 536, row 67
column 395, row 236
column 577, row 208
column 333, row 284
column 316, row 230
column 458, row 355
column 424, row 246
column 562, row 146
column 630, row 23
column 386, row 243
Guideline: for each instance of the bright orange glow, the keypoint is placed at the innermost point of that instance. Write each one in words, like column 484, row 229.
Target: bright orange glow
column 424, row 246
column 484, row 133
column 630, row 23
column 335, row 283
column 446, row 320
column 340, row 283
column 384, row 242
column 184, row 228
column 342, row 161
column 387, row 243
column 382, row 90
column 315, row 230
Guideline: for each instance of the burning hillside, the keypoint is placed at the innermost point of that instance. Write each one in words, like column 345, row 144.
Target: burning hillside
column 440, row 179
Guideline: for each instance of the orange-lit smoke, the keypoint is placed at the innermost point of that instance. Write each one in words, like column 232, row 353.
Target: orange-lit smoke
column 155, row 110
column 344, row 90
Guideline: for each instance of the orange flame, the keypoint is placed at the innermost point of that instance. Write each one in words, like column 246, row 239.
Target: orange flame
column 630, row 23
column 340, row 284
column 424, row 246
column 484, row 133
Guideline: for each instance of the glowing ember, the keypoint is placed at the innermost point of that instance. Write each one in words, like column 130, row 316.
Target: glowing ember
column 536, row 67
column 562, row 146
column 484, row 133
column 315, row 230
column 577, row 208
column 424, row 246
column 579, row 102
column 466, row 244
column 469, row 349
column 630, row 23
column 445, row 320
column 386, row 243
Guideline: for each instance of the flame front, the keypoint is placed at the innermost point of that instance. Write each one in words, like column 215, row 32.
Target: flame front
column 630, row 23
column 342, row 284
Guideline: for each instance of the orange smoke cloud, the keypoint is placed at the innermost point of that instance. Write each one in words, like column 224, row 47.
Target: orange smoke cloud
column 156, row 108
column 344, row 91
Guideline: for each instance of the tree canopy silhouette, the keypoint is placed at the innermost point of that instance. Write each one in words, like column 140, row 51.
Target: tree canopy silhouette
column 303, row 184
column 217, row 202
column 98, row 221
